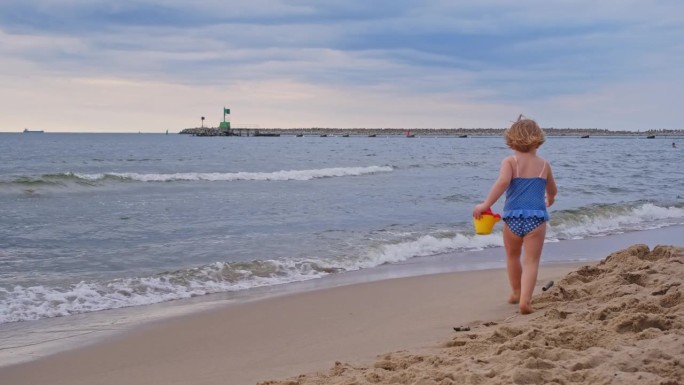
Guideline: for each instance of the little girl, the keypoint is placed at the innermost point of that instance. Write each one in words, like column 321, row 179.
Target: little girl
column 525, row 178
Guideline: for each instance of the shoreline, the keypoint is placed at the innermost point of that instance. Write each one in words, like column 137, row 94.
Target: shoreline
column 284, row 335
column 32, row 340
column 615, row 322
column 617, row 319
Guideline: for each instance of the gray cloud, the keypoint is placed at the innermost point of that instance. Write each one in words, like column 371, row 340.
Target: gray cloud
column 508, row 54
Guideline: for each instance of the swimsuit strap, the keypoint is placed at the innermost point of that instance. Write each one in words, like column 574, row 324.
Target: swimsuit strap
column 543, row 169
column 517, row 168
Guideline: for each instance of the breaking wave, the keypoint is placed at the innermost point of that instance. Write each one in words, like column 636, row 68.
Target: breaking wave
column 607, row 219
column 30, row 303
column 84, row 179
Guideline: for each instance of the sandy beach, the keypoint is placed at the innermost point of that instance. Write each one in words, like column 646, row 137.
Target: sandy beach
column 618, row 321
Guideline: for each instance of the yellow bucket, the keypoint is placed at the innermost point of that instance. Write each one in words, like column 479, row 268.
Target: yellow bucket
column 485, row 224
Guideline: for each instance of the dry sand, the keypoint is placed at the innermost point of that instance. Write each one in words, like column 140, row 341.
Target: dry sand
column 618, row 322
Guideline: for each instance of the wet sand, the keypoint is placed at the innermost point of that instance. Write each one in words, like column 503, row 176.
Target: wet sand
column 286, row 335
column 618, row 321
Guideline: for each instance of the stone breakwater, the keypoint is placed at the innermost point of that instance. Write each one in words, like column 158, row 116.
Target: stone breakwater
column 436, row 132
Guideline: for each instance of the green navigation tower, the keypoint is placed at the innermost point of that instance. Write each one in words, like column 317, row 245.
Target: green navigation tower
column 225, row 125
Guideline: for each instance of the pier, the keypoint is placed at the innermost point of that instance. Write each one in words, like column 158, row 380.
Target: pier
column 225, row 129
column 421, row 132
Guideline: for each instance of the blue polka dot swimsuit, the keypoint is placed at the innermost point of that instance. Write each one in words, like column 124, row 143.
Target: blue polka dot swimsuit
column 525, row 207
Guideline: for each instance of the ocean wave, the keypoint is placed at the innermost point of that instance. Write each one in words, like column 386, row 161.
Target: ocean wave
column 589, row 221
column 36, row 302
column 31, row 303
column 301, row 175
column 64, row 179
column 46, row 180
column 428, row 245
column 607, row 219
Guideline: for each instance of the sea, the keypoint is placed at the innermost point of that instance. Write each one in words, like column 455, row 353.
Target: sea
column 99, row 231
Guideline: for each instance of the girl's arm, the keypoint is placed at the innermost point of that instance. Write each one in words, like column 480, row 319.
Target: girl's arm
column 551, row 188
column 498, row 188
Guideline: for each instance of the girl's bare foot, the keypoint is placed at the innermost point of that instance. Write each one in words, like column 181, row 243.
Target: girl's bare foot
column 525, row 308
column 514, row 298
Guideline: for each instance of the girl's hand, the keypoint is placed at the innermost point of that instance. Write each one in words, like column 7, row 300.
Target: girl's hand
column 479, row 209
column 550, row 200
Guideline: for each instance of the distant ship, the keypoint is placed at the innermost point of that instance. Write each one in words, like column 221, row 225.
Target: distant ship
column 27, row 131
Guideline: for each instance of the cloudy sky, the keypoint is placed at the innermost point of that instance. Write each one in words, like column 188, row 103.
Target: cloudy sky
column 153, row 65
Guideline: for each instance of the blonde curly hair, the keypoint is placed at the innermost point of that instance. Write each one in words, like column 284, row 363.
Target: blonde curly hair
column 524, row 135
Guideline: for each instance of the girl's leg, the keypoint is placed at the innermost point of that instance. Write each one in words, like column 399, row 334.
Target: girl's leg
column 534, row 242
column 513, row 246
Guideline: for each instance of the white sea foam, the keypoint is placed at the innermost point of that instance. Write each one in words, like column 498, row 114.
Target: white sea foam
column 608, row 220
column 282, row 175
column 30, row 303
column 428, row 245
